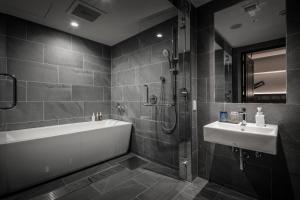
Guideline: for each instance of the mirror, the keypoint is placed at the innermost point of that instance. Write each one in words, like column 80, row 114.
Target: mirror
column 250, row 52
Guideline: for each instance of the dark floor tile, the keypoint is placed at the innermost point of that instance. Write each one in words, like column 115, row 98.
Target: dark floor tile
column 199, row 182
column 125, row 191
column 109, row 183
column 161, row 169
column 83, row 194
column 184, row 196
column 36, row 191
column 166, row 189
column 112, row 170
column 192, row 191
column 133, row 163
column 234, row 194
column 55, row 194
column 85, row 173
column 148, row 178
column 79, row 184
column 119, row 159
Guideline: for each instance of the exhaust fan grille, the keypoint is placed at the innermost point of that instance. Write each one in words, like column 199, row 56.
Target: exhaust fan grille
column 84, row 11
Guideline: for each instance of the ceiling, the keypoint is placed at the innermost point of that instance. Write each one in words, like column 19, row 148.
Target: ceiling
column 198, row 3
column 266, row 25
column 121, row 19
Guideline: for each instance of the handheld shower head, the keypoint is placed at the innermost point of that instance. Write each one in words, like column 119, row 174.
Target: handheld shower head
column 166, row 53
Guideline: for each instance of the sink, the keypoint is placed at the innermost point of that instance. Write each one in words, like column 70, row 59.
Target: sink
column 251, row 137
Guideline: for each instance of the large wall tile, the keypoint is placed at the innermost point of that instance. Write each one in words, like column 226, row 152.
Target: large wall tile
column 116, row 93
column 3, row 19
column 129, row 45
column 3, row 65
column 121, row 63
column 26, row 125
column 24, row 50
column 107, row 94
column 32, row 71
column 72, row 120
column 125, row 77
column 106, row 52
column 150, row 73
column 47, row 64
column 75, row 76
column 140, row 58
column 102, row 79
column 94, row 107
column 293, row 86
column 87, row 93
column 6, row 88
column 60, row 110
column 16, row 27
column 132, row 93
column 25, row 112
column 3, row 46
column 159, row 151
column 48, row 36
column 96, row 63
column 86, row 46
column 48, row 92
column 60, row 56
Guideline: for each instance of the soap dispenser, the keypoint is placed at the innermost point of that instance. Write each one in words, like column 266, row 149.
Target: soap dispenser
column 260, row 118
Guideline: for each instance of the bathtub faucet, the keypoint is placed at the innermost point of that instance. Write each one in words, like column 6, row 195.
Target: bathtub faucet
column 120, row 108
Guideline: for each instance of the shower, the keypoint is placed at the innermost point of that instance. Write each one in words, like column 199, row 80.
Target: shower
column 172, row 60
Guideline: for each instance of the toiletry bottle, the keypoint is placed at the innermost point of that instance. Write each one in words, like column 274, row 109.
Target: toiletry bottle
column 260, row 118
column 93, row 117
column 97, row 116
column 100, row 116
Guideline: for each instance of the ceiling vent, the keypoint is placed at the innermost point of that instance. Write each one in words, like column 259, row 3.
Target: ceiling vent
column 84, row 11
column 253, row 8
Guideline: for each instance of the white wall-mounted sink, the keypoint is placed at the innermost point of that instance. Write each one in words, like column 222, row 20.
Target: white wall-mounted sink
column 251, row 137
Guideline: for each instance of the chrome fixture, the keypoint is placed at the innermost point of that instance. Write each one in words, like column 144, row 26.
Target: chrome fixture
column 243, row 113
column 15, row 99
column 147, row 93
column 162, row 103
column 120, row 108
column 153, row 99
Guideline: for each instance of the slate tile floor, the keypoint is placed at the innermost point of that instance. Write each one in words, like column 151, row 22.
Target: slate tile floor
column 127, row 178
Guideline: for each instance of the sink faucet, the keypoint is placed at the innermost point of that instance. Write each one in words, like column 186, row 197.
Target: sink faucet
column 243, row 113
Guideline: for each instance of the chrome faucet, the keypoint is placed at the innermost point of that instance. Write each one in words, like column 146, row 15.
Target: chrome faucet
column 244, row 114
column 147, row 93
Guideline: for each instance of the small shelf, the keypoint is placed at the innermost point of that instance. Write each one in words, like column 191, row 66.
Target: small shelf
column 159, row 105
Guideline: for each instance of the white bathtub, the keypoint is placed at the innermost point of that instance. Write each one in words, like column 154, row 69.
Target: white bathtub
column 32, row 156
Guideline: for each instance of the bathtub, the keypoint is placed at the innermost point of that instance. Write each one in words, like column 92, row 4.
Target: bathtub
column 32, row 156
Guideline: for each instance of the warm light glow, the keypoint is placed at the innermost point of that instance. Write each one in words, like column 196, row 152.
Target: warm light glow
column 159, row 35
column 270, row 72
column 74, row 24
column 283, row 92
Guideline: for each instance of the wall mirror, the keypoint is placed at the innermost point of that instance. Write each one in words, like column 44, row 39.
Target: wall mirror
column 250, row 52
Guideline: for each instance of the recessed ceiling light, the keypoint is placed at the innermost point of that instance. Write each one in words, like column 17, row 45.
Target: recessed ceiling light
column 159, row 35
column 74, row 24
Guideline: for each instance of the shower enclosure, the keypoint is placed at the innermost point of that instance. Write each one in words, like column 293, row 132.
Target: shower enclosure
column 158, row 96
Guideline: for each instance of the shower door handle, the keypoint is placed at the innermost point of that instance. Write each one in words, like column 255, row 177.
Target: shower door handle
column 14, row 91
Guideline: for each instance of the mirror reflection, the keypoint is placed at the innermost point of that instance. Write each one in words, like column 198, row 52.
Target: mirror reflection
column 250, row 52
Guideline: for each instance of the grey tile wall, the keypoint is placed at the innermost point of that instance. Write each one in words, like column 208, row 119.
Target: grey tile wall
column 268, row 177
column 62, row 78
column 135, row 62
